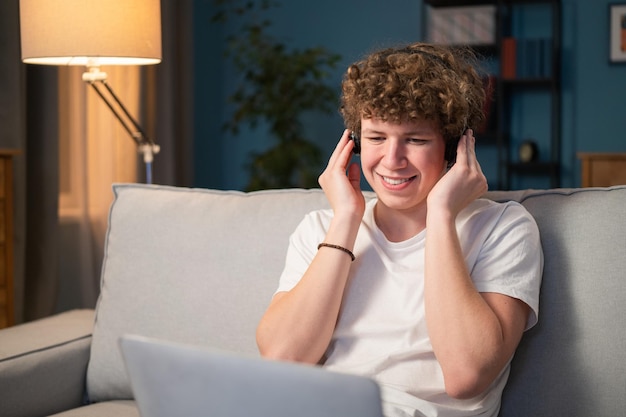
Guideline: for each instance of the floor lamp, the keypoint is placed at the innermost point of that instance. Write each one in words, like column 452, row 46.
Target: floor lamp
column 94, row 34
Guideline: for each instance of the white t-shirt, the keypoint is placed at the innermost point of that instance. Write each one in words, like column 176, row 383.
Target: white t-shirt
column 381, row 332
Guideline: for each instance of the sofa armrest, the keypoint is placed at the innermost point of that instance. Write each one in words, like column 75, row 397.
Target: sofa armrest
column 43, row 364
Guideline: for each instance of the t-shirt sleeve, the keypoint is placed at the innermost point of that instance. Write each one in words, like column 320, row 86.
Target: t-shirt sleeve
column 303, row 242
column 510, row 260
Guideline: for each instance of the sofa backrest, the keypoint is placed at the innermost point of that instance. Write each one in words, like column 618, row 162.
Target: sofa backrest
column 190, row 265
column 573, row 362
column 200, row 266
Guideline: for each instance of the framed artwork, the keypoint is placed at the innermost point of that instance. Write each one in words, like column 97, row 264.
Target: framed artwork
column 617, row 34
column 465, row 25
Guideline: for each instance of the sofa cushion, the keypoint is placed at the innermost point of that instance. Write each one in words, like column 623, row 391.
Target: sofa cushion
column 32, row 357
column 176, row 261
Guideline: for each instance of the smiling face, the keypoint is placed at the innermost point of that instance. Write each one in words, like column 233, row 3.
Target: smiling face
column 401, row 162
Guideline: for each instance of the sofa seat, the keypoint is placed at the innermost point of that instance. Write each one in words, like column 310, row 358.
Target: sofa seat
column 121, row 408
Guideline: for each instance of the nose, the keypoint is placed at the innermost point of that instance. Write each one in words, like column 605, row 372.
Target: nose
column 395, row 154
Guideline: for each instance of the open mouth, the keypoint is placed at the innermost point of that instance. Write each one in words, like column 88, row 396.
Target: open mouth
column 397, row 181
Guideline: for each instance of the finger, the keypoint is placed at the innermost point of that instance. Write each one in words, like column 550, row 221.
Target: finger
column 354, row 175
column 471, row 142
column 461, row 151
column 474, row 159
column 345, row 155
column 339, row 148
column 472, row 151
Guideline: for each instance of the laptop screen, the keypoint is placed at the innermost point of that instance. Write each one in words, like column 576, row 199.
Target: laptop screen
column 173, row 379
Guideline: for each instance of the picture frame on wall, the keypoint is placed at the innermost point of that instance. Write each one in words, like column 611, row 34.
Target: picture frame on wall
column 464, row 25
column 617, row 34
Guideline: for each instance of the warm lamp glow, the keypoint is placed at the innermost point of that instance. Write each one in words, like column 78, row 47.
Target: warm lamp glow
column 90, row 33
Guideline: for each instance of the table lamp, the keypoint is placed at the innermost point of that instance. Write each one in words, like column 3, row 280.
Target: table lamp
column 93, row 34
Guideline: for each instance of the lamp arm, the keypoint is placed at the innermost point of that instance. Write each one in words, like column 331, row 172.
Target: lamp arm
column 138, row 136
column 145, row 145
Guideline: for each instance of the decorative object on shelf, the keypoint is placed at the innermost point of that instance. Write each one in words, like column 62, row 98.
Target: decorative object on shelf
column 617, row 34
column 468, row 25
column 528, row 151
column 92, row 34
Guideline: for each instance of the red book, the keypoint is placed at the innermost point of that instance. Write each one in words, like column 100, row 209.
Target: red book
column 507, row 58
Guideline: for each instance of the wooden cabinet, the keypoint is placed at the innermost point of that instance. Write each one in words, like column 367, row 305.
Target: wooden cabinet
column 6, row 238
column 602, row 169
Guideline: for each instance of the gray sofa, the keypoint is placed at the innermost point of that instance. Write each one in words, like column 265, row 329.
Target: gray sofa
column 199, row 266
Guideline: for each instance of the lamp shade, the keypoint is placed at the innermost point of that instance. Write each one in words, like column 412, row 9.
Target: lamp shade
column 90, row 32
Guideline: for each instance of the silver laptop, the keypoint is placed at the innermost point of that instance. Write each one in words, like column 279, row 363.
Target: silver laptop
column 175, row 380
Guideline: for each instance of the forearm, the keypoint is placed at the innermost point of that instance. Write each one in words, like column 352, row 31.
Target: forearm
column 299, row 324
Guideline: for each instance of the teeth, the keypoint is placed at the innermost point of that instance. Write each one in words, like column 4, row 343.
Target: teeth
column 395, row 182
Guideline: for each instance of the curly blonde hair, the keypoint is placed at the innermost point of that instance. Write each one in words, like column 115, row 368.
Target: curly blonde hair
column 416, row 82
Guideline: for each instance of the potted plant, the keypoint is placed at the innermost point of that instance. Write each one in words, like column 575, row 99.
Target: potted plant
column 278, row 85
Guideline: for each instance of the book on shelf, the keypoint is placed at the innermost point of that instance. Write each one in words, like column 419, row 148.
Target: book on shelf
column 508, row 58
column 529, row 58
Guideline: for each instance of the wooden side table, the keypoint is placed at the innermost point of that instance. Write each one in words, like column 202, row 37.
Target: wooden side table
column 602, row 169
column 6, row 237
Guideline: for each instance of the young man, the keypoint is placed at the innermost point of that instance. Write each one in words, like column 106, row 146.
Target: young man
column 427, row 288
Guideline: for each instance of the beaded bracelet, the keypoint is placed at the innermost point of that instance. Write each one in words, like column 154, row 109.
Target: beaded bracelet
column 341, row 248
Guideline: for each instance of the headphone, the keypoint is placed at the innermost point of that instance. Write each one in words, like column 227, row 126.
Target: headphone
column 357, row 143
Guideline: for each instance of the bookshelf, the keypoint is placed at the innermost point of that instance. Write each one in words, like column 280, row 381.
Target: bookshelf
column 523, row 55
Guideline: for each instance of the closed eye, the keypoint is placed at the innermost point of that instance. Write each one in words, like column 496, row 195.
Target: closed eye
column 417, row 141
column 376, row 139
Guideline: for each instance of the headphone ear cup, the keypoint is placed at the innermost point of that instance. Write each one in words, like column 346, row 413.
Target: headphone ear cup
column 357, row 143
column 450, row 151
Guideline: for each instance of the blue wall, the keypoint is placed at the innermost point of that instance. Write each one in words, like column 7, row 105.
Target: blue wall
column 594, row 91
